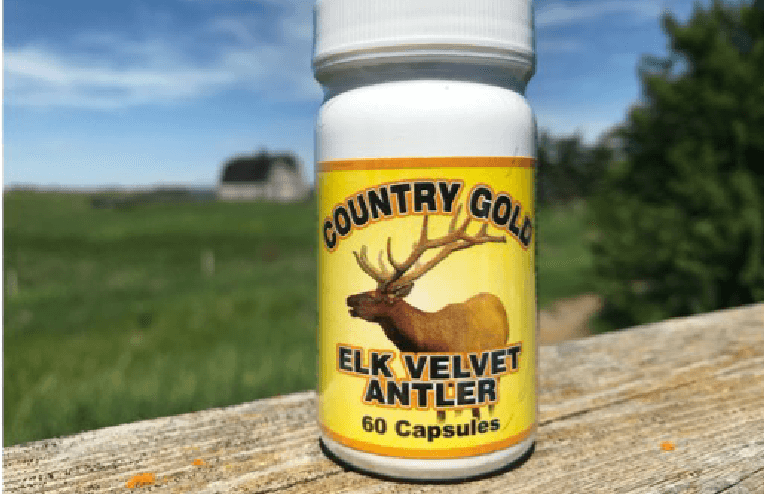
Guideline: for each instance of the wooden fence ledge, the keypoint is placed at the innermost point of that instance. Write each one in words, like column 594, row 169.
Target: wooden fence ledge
column 607, row 403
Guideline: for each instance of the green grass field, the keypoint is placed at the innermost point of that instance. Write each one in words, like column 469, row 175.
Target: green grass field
column 565, row 264
column 111, row 317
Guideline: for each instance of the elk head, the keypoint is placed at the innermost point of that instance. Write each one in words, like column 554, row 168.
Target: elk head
column 393, row 286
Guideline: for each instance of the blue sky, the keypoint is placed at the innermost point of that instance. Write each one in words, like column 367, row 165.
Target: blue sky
column 146, row 92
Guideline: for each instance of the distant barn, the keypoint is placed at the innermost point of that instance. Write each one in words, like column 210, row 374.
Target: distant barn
column 262, row 176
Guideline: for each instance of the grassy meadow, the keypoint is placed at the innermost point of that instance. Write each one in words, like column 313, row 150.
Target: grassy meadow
column 120, row 314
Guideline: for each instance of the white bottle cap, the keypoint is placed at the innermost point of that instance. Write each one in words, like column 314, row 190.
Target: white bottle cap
column 363, row 31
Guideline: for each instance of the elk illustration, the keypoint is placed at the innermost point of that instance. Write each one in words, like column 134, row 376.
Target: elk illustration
column 479, row 323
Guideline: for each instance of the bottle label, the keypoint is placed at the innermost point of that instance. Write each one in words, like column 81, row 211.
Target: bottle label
column 427, row 304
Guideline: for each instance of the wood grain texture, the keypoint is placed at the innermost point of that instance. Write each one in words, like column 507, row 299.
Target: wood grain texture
column 606, row 404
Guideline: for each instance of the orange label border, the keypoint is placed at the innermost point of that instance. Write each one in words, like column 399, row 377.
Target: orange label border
column 426, row 162
column 429, row 453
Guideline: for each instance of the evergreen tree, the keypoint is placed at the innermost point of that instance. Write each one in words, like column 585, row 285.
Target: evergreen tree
column 681, row 219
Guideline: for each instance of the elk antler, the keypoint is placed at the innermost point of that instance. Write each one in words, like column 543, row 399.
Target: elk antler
column 382, row 276
column 403, row 274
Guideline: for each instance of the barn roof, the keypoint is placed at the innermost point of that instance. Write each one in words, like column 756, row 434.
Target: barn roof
column 255, row 167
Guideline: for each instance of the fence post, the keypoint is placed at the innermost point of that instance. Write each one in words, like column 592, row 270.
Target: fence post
column 12, row 283
column 208, row 262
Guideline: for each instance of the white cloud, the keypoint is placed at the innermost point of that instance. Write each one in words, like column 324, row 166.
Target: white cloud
column 559, row 13
column 590, row 122
column 36, row 76
column 294, row 18
column 234, row 27
column 110, row 71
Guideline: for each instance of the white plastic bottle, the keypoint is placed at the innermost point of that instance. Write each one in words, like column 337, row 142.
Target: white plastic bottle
column 425, row 147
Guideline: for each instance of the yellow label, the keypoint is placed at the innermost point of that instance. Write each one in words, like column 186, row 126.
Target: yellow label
column 427, row 305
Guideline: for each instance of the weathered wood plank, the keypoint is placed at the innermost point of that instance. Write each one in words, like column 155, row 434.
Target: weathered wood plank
column 606, row 404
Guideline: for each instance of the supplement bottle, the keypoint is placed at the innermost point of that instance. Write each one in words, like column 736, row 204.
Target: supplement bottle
column 425, row 153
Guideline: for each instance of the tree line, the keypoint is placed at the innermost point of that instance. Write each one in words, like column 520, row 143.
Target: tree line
column 568, row 169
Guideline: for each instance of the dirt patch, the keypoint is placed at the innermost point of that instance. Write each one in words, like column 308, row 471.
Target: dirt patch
column 568, row 318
